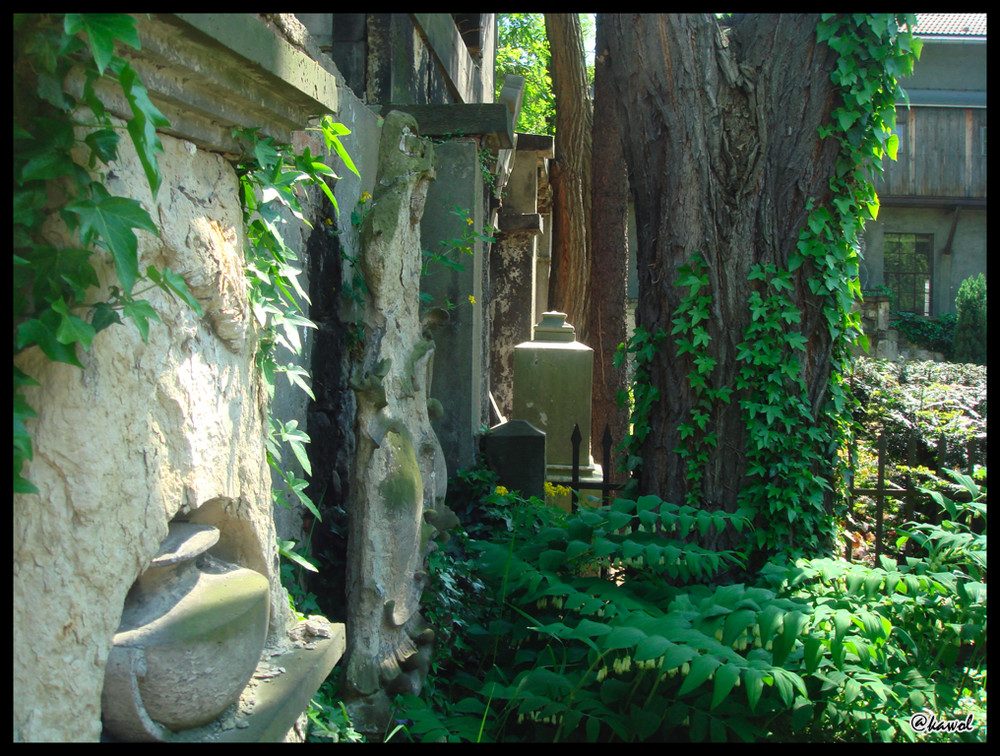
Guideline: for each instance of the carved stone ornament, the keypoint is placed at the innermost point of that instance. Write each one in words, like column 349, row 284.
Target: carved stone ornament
column 191, row 635
column 399, row 480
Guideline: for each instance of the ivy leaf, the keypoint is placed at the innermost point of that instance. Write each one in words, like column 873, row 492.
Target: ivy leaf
column 41, row 332
column 332, row 132
column 141, row 313
column 296, row 439
column 72, row 329
column 104, row 316
column 146, row 118
column 103, row 143
column 295, row 375
column 102, row 29
column 110, row 221
column 285, row 549
column 175, row 285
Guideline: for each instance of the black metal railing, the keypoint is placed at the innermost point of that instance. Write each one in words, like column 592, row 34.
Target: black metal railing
column 908, row 494
column 882, row 490
column 605, row 486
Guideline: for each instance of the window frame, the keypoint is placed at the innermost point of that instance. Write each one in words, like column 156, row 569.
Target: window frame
column 909, row 298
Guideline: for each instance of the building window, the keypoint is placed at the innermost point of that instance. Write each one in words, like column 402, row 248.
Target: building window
column 907, row 271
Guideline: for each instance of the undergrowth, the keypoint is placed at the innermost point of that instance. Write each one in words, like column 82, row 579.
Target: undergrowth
column 605, row 625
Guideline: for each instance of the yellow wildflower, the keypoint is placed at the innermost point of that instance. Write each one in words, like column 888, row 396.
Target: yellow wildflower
column 501, row 491
column 472, row 299
column 468, row 221
column 365, row 196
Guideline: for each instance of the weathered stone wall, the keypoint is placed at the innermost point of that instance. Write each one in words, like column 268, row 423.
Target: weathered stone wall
column 145, row 432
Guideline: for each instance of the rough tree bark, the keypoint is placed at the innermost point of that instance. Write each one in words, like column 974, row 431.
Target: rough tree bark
column 723, row 152
column 605, row 324
column 570, row 171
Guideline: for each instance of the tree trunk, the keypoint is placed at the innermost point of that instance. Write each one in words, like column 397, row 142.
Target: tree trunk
column 605, row 325
column 570, row 171
column 723, row 153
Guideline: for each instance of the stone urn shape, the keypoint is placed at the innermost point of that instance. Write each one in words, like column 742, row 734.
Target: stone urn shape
column 190, row 638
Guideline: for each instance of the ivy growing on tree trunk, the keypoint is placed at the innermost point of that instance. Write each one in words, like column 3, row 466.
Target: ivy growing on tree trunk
column 750, row 145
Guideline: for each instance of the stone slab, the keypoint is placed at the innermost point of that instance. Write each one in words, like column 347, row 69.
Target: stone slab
column 280, row 690
column 515, row 451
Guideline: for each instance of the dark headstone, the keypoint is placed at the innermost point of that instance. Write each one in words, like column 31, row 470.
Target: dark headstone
column 515, row 451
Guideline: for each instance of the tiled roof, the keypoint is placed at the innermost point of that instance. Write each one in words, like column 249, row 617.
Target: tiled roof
column 951, row 24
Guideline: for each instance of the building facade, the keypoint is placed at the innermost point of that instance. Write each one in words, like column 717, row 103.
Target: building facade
column 931, row 230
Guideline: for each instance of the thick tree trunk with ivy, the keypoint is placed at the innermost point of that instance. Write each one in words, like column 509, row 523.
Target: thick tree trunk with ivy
column 605, row 326
column 570, row 171
column 724, row 152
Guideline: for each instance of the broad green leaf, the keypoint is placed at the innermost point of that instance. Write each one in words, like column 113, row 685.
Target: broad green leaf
column 102, row 29
column 589, row 629
column 72, row 329
column 786, row 682
column 41, row 331
column 623, row 637
column 146, row 118
column 841, row 622
column 725, row 678
column 141, row 312
column 769, row 620
column 111, row 220
column 701, row 669
column 651, row 647
column 676, row 655
column 736, row 623
column 812, row 653
column 753, row 680
column 851, row 690
column 644, row 723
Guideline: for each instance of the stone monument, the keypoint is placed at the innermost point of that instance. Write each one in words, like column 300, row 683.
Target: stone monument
column 399, row 479
column 553, row 378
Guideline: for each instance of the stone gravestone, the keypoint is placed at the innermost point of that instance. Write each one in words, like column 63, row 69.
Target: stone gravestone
column 399, row 478
column 515, row 451
column 553, row 376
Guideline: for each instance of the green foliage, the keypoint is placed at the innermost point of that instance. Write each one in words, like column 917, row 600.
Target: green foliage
column 691, row 336
column 329, row 721
column 791, row 444
column 603, row 626
column 61, row 142
column 928, row 414
column 934, row 609
column 643, row 348
column 607, row 623
column 272, row 178
column 970, row 326
column 934, row 334
column 788, row 447
column 792, row 450
column 927, row 400
column 523, row 50
column 447, row 257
